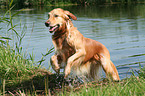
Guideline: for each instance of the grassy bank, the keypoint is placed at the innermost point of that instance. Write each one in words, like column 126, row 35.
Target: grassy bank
column 133, row 86
column 13, row 66
column 130, row 87
column 21, row 3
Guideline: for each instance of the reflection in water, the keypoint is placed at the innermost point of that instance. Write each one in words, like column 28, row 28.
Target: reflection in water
column 119, row 28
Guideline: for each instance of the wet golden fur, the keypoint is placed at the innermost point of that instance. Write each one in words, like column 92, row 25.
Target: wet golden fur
column 74, row 52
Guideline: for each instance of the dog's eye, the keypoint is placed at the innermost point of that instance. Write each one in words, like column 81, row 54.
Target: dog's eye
column 55, row 15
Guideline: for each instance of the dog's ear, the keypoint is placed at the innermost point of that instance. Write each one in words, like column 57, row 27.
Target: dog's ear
column 70, row 15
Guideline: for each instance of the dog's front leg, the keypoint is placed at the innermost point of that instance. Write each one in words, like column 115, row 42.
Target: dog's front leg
column 79, row 55
column 54, row 63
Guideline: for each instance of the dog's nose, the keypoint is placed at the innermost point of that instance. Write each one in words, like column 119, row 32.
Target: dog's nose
column 47, row 24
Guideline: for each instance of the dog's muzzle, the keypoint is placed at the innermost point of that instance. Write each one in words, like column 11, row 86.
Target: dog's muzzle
column 52, row 28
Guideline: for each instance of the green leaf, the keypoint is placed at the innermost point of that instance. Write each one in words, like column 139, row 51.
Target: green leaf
column 17, row 12
column 5, row 38
column 11, row 3
column 14, row 31
column 50, row 51
column 2, row 41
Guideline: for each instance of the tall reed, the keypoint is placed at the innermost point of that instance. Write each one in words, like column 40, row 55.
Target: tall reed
column 14, row 66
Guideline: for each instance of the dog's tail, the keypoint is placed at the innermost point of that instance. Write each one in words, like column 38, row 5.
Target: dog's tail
column 114, row 76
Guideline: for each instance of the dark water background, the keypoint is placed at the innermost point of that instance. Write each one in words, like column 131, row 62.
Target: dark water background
column 121, row 28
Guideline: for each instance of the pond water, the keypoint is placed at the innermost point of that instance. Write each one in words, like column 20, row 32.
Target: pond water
column 121, row 28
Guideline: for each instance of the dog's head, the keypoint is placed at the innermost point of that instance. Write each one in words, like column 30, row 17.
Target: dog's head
column 57, row 19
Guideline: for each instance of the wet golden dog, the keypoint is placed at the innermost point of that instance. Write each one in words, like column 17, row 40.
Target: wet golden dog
column 74, row 52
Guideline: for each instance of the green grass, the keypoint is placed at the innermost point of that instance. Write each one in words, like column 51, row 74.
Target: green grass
column 13, row 65
column 133, row 86
column 14, row 68
column 130, row 87
column 13, row 62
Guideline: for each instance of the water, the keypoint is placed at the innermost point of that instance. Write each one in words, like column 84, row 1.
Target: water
column 119, row 27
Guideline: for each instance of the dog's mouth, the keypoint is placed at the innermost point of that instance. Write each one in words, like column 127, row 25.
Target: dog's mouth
column 54, row 28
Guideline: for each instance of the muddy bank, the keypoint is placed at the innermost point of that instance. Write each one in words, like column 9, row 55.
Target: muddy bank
column 45, row 82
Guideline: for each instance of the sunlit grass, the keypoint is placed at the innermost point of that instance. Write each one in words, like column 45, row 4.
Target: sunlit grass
column 14, row 65
column 133, row 86
column 130, row 87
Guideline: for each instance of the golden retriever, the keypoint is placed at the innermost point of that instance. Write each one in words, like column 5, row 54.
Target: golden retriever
column 74, row 52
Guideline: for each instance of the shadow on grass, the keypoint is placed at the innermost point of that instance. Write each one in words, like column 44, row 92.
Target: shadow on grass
column 39, row 84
